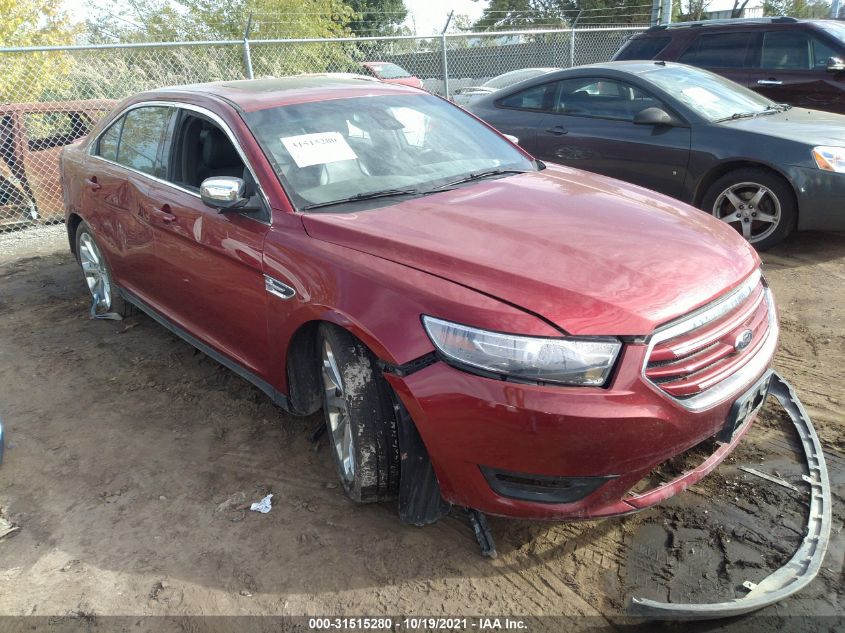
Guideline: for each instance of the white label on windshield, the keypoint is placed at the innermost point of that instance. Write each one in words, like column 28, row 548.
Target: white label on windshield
column 700, row 94
column 318, row 149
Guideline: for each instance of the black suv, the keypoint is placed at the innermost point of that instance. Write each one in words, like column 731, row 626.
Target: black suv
column 799, row 62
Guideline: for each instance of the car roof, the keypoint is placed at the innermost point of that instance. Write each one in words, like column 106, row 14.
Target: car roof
column 258, row 94
column 729, row 23
column 632, row 66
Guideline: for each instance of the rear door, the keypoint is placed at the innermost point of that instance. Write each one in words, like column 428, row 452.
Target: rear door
column 593, row 129
column 119, row 177
column 45, row 133
column 211, row 280
column 728, row 53
column 791, row 67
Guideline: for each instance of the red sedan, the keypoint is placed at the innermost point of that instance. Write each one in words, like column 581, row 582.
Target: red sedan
column 391, row 73
column 479, row 329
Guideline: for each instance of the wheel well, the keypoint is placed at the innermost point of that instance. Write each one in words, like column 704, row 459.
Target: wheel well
column 72, row 223
column 720, row 170
column 303, row 370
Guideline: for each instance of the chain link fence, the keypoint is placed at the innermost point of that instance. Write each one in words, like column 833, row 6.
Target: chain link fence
column 51, row 97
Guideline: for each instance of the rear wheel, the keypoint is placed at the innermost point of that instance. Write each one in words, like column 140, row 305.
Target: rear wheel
column 104, row 294
column 758, row 204
column 359, row 415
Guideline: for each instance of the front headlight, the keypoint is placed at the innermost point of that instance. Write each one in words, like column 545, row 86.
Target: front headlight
column 830, row 158
column 568, row 361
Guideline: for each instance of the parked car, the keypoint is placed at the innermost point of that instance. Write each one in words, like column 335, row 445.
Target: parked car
column 763, row 168
column 391, row 73
column 533, row 340
column 467, row 95
column 799, row 62
column 31, row 137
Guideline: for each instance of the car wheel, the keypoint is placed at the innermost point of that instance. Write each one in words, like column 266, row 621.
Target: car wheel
column 98, row 277
column 360, row 418
column 758, row 204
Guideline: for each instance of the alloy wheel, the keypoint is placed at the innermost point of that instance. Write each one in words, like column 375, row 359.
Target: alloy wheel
column 95, row 271
column 751, row 208
column 338, row 414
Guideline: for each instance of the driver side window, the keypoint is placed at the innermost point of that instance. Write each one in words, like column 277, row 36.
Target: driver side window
column 202, row 150
column 599, row 97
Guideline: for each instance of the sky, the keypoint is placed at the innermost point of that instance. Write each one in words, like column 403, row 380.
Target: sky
column 427, row 16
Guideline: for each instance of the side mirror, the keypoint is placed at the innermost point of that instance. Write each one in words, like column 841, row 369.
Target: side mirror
column 835, row 64
column 513, row 139
column 224, row 193
column 653, row 116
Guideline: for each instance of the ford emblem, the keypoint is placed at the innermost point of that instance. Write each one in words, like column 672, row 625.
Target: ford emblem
column 743, row 340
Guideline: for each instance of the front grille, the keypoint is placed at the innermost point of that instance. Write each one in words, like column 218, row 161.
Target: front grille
column 700, row 350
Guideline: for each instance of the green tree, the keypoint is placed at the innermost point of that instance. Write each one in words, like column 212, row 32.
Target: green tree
column 797, row 8
column 509, row 14
column 377, row 17
column 25, row 76
column 178, row 20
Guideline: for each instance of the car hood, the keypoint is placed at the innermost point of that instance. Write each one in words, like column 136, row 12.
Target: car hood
column 811, row 127
column 591, row 254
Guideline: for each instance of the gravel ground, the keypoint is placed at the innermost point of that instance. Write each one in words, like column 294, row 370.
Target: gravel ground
column 130, row 457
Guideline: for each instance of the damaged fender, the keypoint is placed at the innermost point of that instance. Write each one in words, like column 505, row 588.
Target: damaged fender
column 807, row 560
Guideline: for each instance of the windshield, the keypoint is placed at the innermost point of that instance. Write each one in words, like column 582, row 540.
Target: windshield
column 330, row 151
column 836, row 29
column 708, row 94
column 389, row 71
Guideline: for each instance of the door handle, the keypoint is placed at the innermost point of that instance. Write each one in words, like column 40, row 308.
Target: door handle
column 164, row 213
column 557, row 130
column 769, row 82
column 93, row 184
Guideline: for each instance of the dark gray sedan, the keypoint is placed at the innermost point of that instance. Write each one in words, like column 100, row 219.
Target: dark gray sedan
column 765, row 168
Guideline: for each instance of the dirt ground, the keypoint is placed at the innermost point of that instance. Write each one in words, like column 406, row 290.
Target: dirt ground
column 130, row 455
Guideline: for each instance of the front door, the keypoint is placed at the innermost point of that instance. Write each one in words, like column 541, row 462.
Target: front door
column 793, row 69
column 593, row 129
column 211, row 279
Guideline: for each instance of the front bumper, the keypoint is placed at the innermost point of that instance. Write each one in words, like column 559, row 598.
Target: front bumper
column 821, row 198
column 804, row 565
column 469, row 423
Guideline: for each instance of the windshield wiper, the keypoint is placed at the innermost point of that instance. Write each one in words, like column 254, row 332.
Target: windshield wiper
column 770, row 109
column 479, row 175
column 369, row 195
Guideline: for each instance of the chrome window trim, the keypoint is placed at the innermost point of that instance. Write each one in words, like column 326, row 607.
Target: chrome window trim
column 745, row 375
column 94, row 143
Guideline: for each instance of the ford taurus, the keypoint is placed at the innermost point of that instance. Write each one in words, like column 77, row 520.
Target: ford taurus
column 478, row 328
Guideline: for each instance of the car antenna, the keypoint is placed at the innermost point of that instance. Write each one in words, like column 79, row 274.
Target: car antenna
column 660, row 62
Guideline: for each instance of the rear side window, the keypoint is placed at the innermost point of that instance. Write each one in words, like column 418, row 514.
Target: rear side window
column 535, row 98
column 107, row 147
column 602, row 98
column 141, row 138
column 643, row 48
column 718, row 50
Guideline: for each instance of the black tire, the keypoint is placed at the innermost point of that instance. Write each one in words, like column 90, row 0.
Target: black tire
column 116, row 303
column 777, row 201
column 371, row 415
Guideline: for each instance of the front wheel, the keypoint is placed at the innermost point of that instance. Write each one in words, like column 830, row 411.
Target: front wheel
column 760, row 205
column 359, row 415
